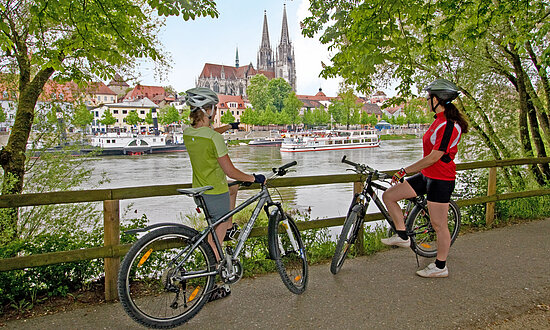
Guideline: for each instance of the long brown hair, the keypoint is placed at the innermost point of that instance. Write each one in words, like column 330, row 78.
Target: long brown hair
column 452, row 113
column 195, row 116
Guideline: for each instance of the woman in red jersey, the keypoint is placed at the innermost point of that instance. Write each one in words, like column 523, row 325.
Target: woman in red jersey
column 436, row 176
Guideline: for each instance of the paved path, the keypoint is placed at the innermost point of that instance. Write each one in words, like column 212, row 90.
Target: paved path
column 495, row 275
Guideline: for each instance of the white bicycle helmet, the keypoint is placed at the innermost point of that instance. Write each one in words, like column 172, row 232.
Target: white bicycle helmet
column 199, row 97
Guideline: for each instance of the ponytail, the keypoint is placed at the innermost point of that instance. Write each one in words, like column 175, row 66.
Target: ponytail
column 452, row 113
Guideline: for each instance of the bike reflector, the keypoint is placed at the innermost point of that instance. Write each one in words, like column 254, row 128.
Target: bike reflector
column 297, row 278
column 145, row 257
column 427, row 246
column 193, row 294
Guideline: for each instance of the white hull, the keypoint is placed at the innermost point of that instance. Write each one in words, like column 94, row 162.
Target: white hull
column 333, row 140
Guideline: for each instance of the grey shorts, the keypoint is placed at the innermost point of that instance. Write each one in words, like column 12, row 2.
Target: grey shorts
column 217, row 205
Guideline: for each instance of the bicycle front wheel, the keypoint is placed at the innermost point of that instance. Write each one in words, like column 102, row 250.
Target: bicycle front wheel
column 347, row 238
column 424, row 238
column 160, row 289
column 287, row 249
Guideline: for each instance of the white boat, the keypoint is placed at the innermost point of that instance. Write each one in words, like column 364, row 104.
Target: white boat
column 331, row 140
column 267, row 141
column 135, row 144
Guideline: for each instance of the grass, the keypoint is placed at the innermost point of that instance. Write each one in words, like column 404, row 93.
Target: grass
column 398, row 137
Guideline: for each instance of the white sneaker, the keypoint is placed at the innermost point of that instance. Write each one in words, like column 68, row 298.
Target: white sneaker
column 397, row 241
column 432, row 271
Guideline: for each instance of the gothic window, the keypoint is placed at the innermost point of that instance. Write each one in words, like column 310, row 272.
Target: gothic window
column 216, row 87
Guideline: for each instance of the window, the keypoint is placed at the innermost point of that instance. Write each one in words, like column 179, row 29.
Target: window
column 97, row 113
column 124, row 112
column 104, row 98
column 221, row 112
column 115, row 112
column 232, row 112
column 142, row 112
column 99, row 98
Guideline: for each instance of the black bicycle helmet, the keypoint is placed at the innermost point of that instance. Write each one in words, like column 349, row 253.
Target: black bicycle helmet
column 199, row 97
column 444, row 90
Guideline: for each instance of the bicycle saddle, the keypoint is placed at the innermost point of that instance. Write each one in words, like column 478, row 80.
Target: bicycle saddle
column 194, row 191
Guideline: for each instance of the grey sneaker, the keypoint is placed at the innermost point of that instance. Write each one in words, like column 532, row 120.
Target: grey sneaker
column 397, row 241
column 432, row 271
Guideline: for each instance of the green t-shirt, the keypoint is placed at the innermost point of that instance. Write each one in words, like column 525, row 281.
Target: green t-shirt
column 205, row 146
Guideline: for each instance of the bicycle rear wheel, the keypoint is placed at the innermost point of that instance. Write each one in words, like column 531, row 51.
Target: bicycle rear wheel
column 287, row 249
column 347, row 237
column 151, row 283
column 424, row 238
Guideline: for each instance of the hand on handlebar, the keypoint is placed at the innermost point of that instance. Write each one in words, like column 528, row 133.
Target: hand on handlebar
column 259, row 178
column 398, row 176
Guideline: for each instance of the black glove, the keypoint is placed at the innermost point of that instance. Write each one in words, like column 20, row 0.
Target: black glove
column 259, row 178
column 235, row 125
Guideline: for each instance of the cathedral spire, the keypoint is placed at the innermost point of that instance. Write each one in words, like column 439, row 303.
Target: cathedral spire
column 237, row 58
column 265, row 34
column 265, row 54
column 284, row 30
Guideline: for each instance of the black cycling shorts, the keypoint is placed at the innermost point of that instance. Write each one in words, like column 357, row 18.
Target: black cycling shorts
column 438, row 191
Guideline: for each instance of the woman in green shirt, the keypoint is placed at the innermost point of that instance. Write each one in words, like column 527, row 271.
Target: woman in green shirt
column 210, row 160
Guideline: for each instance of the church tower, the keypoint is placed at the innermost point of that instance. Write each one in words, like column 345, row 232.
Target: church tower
column 265, row 54
column 285, row 64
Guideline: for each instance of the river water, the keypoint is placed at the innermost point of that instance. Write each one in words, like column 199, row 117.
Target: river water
column 324, row 200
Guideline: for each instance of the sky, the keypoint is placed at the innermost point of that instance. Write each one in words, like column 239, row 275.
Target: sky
column 191, row 44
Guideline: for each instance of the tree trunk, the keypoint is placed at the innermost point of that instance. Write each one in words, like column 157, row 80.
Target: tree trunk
column 12, row 156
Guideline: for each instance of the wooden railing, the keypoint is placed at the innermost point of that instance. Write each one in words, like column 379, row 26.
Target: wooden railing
column 112, row 250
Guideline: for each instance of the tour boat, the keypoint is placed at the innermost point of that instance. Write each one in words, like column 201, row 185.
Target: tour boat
column 135, row 144
column 331, row 140
column 267, row 141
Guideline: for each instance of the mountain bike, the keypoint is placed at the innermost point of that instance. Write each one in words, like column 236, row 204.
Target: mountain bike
column 416, row 217
column 168, row 275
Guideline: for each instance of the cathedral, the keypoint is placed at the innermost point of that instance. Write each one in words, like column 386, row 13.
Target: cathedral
column 233, row 80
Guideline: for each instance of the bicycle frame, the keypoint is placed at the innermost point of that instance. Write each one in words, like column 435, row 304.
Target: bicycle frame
column 264, row 199
column 368, row 193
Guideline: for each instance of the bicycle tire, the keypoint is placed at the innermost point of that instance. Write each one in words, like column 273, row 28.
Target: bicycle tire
column 424, row 239
column 290, row 259
column 148, row 287
column 347, row 238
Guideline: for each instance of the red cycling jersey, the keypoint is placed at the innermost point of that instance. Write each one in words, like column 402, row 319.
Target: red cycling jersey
column 442, row 135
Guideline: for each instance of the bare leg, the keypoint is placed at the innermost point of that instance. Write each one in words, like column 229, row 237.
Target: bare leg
column 394, row 194
column 438, row 217
column 222, row 228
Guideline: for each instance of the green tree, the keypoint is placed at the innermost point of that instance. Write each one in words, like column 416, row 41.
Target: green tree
column 82, row 117
column 248, row 117
column 291, row 109
column 107, row 119
column 79, row 41
column 133, row 119
column 493, row 50
column 149, row 118
column 169, row 115
column 278, row 90
column 346, row 109
column 258, row 93
column 227, row 117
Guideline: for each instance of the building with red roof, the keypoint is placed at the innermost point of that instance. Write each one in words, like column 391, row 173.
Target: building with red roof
column 157, row 94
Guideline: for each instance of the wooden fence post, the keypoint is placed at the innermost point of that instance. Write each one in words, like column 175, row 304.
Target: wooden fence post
column 360, row 241
column 491, row 190
column 111, row 222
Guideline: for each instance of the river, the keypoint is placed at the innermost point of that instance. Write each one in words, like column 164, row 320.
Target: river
column 324, row 201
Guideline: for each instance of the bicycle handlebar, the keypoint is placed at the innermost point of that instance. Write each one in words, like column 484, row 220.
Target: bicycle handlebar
column 361, row 168
column 277, row 171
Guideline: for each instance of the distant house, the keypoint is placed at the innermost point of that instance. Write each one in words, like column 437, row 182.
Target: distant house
column 157, row 94
column 319, row 100
column 372, row 109
column 119, row 86
column 393, row 112
column 120, row 111
column 233, row 103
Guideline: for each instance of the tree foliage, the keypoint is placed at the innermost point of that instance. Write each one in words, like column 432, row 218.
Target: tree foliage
column 497, row 52
column 79, row 41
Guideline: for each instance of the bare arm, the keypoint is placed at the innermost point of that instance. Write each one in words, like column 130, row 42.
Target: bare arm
column 231, row 171
column 427, row 161
column 223, row 129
